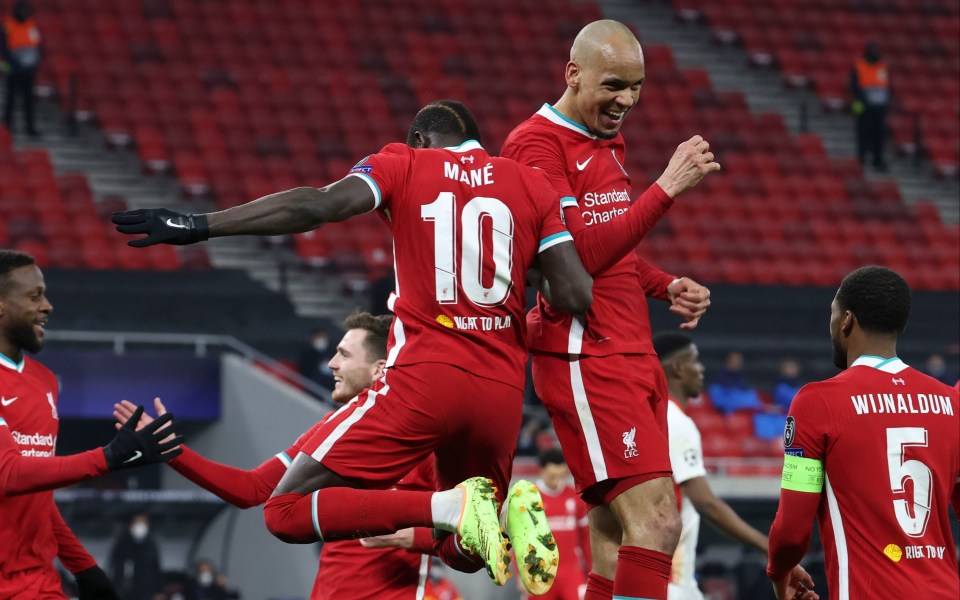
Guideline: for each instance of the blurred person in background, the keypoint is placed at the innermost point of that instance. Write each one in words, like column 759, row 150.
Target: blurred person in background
column 313, row 362
column 731, row 390
column 936, row 367
column 210, row 585
column 787, row 384
column 21, row 51
column 681, row 364
column 870, row 87
column 567, row 514
column 135, row 562
column 439, row 585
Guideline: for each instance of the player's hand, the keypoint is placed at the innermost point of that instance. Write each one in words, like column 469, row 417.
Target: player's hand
column 93, row 584
column 125, row 409
column 689, row 300
column 795, row 586
column 162, row 226
column 400, row 539
column 691, row 162
column 136, row 447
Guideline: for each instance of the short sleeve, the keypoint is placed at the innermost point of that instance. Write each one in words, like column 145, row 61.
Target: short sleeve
column 804, row 434
column 553, row 231
column 385, row 172
column 686, row 450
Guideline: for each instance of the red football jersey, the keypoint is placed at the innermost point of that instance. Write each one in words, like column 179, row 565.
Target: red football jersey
column 567, row 514
column 467, row 228
column 889, row 440
column 28, row 412
column 589, row 175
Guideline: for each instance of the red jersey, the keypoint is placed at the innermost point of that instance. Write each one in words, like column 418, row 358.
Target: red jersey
column 28, row 413
column 567, row 514
column 888, row 440
column 467, row 228
column 588, row 173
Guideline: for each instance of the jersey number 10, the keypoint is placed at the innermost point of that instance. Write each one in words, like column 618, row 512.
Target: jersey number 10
column 442, row 212
column 898, row 438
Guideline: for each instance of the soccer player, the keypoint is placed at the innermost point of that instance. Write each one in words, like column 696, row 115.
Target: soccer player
column 684, row 371
column 32, row 532
column 874, row 454
column 347, row 570
column 601, row 383
column 467, row 229
column 567, row 514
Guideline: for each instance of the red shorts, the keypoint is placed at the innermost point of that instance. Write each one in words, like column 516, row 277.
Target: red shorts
column 610, row 415
column 471, row 423
column 32, row 584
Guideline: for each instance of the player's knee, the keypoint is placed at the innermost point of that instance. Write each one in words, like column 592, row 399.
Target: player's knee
column 658, row 527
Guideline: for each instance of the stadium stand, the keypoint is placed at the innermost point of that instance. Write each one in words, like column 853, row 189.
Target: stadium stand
column 814, row 44
column 185, row 83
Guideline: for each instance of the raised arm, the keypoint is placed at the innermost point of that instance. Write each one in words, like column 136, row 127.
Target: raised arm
column 292, row 211
column 23, row 474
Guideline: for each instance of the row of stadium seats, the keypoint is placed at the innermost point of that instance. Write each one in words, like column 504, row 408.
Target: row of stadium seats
column 817, row 46
column 241, row 99
column 55, row 219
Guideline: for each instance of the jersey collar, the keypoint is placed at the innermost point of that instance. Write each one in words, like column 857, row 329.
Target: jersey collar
column 553, row 115
column 467, row 146
column 887, row 365
column 10, row 364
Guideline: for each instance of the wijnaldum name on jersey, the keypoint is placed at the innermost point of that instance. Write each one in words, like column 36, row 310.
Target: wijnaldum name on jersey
column 921, row 404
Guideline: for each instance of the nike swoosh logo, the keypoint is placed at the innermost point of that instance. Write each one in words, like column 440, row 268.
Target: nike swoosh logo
column 583, row 165
column 135, row 456
column 6, row 402
column 170, row 223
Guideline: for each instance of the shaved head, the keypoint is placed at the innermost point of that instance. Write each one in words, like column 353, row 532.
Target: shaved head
column 605, row 41
column 603, row 77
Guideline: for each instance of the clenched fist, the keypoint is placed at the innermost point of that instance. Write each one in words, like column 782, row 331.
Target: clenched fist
column 690, row 163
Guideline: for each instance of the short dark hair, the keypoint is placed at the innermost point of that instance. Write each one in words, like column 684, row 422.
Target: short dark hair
column 377, row 328
column 447, row 117
column 668, row 343
column 878, row 297
column 551, row 456
column 10, row 260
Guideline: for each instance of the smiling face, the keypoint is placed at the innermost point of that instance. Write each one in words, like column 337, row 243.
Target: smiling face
column 353, row 369
column 24, row 312
column 607, row 86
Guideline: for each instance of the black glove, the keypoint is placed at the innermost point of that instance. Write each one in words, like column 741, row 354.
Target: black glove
column 162, row 226
column 133, row 448
column 93, row 584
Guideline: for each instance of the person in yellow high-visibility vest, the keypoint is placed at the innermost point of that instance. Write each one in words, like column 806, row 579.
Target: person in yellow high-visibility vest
column 870, row 85
column 21, row 50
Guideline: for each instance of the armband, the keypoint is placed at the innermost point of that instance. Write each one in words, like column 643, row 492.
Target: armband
column 802, row 474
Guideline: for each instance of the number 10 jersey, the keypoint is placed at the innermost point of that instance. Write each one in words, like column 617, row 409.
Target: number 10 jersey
column 467, row 227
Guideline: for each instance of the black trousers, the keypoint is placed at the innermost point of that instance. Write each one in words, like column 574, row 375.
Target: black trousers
column 20, row 84
column 871, row 134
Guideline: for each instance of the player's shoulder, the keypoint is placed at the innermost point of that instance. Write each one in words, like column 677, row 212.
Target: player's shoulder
column 931, row 382
column 37, row 369
column 680, row 422
column 397, row 148
column 534, row 129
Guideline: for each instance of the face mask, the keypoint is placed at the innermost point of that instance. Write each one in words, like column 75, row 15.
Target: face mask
column 321, row 344
column 139, row 531
column 205, row 579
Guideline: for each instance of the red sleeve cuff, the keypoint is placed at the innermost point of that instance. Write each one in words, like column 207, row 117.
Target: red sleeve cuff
column 423, row 542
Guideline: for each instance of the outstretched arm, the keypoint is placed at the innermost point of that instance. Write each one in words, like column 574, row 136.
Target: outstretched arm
column 292, row 211
column 24, row 474
column 240, row 487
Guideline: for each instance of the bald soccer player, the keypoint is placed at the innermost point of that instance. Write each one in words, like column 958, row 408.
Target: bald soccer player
column 602, row 383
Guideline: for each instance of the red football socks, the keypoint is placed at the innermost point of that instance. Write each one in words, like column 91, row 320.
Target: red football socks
column 642, row 573
column 346, row 513
column 598, row 588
